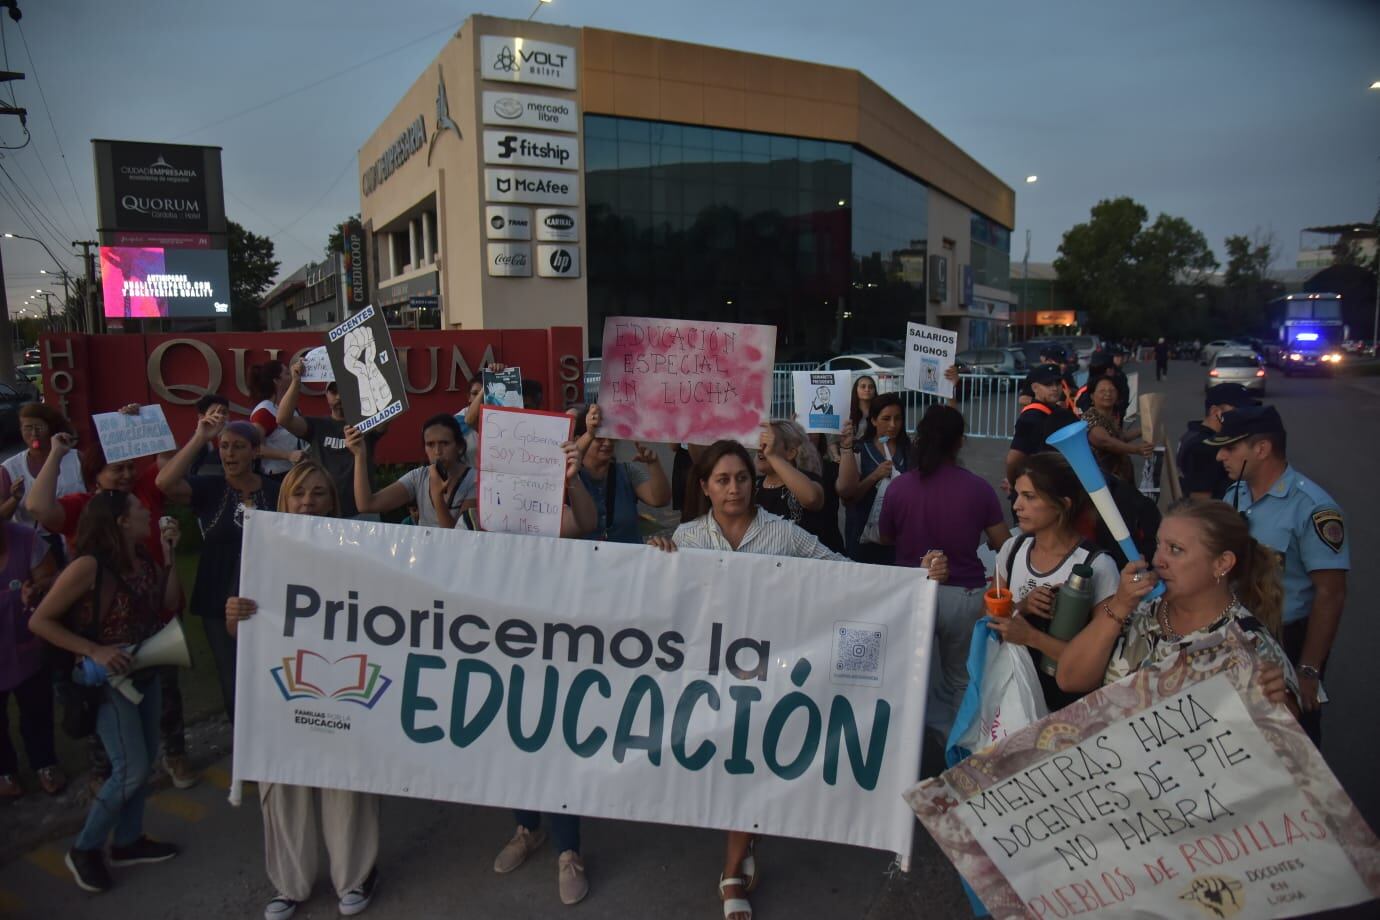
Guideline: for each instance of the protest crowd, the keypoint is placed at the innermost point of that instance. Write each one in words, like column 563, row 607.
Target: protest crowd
column 89, row 545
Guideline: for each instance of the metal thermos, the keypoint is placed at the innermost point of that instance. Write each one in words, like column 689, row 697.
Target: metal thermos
column 1072, row 607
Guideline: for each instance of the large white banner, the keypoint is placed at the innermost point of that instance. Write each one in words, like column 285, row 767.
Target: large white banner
column 758, row 693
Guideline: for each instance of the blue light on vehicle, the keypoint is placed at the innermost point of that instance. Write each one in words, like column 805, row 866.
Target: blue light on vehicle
column 1306, row 337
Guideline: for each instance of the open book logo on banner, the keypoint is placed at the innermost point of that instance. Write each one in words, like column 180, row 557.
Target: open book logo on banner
column 351, row 679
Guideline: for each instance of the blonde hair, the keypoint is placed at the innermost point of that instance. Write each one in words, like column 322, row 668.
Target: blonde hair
column 1256, row 575
column 295, row 478
column 790, row 435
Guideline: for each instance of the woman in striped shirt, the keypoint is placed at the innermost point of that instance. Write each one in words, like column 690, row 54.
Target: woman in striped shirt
column 722, row 515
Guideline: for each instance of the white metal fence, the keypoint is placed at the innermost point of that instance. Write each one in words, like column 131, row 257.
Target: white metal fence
column 988, row 402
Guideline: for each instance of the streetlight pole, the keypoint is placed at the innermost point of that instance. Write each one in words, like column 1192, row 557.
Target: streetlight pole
column 1025, row 273
column 1375, row 325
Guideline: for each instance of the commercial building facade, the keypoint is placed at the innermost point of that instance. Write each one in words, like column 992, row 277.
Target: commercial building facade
column 540, row 175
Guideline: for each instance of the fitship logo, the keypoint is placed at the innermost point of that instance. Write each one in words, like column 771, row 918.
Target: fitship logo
column 351, row 679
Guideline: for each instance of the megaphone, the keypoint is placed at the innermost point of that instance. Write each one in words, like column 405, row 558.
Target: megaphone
column 1072, row 442
column 166, row 647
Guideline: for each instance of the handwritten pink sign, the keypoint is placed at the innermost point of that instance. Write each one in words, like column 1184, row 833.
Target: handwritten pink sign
column 682, row 381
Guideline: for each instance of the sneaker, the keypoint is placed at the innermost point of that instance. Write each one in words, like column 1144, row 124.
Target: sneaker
column 88, row 868
column 280, row 908
column 571, row 878
column 9, row 787
column 142, row 850
column 356, row 900
column 516, row 851
column 52, row 779
column 179, row 771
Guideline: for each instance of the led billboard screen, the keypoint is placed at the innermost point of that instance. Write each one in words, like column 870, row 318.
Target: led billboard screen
column 141, row 282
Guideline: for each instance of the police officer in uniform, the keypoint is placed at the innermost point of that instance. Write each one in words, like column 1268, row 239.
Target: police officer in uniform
column 1293, row 515
column 1201, row 475
column 1046, row 415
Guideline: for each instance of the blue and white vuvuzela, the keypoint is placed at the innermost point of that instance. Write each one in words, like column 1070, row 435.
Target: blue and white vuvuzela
column 1072, row 442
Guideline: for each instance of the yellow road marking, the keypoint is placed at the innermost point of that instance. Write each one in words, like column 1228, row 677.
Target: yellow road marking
column 179, row 806
column 50, row 859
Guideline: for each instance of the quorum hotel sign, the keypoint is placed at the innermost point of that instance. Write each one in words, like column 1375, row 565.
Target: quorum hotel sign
column 162, row 231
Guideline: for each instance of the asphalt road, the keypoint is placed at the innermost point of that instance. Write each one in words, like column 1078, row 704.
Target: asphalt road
column 436, row 858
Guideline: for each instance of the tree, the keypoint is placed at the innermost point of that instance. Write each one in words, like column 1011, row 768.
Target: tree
column 1246, row 287
column 1132, row 279
column 252, row 270
column 336, row 241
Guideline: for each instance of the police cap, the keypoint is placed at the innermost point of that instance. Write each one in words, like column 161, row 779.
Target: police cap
column 1048, row 374
column 1243, row 423
column 1228, row 394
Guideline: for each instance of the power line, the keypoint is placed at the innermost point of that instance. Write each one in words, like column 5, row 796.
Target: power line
column 33, row 187
column 334, row 182
column 46, row 221
column 315, row 83
column 47, row 229
column 49, row 111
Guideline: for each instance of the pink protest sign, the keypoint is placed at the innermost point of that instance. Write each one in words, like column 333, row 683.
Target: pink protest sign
column 681, row 381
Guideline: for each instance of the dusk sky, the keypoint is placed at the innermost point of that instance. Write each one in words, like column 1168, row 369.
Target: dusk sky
column 1236, row 114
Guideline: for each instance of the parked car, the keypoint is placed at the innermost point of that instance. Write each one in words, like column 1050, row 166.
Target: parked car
column 34, row 374
column 1237, row 365
column 32, row 355
column 1006, row 362
column 1211, row 349
column 887, row 370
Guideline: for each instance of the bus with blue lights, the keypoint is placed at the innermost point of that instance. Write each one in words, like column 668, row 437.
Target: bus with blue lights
column 1311, row 333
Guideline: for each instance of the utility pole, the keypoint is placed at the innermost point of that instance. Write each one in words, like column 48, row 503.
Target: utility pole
column 92, row 317
column 1025, row 286
column 6, row 331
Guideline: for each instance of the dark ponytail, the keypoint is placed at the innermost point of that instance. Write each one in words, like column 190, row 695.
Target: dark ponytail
column 263, row 379
column 937, row 439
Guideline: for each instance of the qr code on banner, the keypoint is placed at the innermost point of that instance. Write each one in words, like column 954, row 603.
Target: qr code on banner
column 859, row 653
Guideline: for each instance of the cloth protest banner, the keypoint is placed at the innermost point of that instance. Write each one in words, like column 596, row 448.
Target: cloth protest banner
column 522, row 470
column 930, row 352
column 684, row 382
column 316, row 366
column 124, row 437
column 822, row 400
column 366, row 369
column 1176, row 792
column 709, row 689
column 503, row 388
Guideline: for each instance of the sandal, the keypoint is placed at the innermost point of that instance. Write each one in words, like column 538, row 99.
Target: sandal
column 52, row 779
column 734, row 905
column 748, row 867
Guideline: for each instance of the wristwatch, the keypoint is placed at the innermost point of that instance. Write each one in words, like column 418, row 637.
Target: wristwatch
column 1307, row 670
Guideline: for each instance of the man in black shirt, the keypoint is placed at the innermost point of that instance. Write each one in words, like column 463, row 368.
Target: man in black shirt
column 1040, row 419
column 326, row 437
column 1200, row 475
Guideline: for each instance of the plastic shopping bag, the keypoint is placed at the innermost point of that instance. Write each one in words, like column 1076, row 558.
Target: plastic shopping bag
column 1003, row 694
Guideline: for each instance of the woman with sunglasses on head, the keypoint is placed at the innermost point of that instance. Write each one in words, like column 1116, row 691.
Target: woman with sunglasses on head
column 111, row 597
column 219, row 503
column 723, row 516
column 1214, row 574
column 348, row 821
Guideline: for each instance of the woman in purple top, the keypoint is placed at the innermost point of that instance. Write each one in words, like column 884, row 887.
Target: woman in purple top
column 938, row 505
column 26, row 569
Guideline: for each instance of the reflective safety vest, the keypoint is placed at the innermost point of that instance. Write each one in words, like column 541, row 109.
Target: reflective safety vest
column 1039, row 407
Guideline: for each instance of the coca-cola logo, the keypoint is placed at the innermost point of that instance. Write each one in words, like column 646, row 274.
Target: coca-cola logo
column 515, row 259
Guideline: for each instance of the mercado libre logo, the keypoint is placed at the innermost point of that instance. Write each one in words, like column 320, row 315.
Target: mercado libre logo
column 351, row 679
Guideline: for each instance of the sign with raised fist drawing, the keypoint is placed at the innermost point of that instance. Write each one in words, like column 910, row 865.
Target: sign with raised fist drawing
column 366, row 369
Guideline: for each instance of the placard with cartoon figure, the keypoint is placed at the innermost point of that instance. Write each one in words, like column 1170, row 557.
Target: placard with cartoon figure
column 821, row 400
